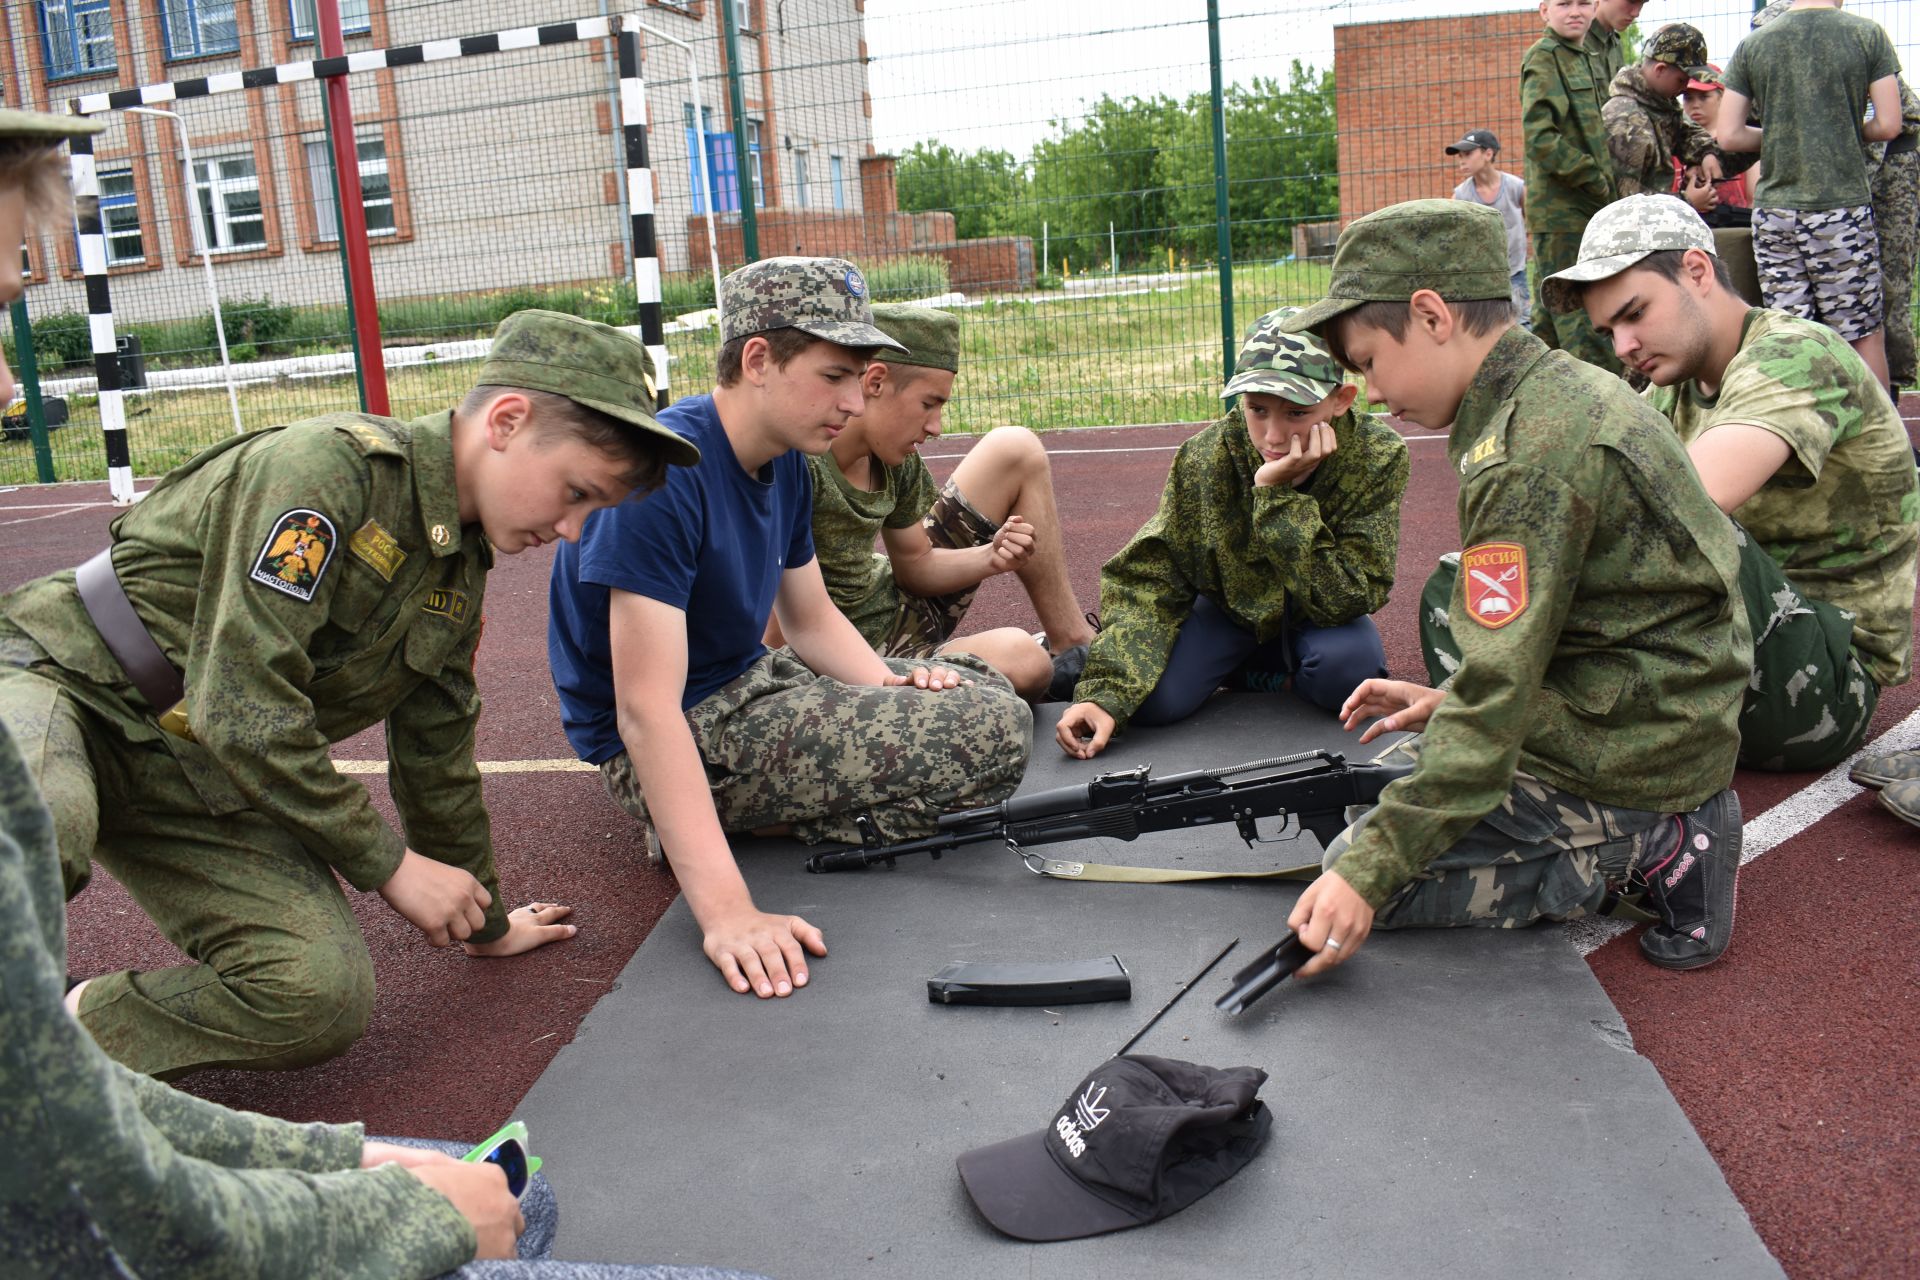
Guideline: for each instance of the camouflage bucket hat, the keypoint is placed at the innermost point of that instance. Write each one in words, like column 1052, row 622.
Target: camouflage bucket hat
column 1620, row 235
column 1456, row 248
column 1293, row 366
column 591, row 364
column 1678, row 44
column 825, row 297
column 928, row 338
column 38, row 125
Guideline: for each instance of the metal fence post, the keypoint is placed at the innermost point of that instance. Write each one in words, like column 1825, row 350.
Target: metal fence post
column 29, row 370
column 742, row 152
column 1221, row 213
column 370, row 361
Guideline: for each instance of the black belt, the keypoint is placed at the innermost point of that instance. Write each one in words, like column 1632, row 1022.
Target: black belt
column 1904, row 143
column 126, row 636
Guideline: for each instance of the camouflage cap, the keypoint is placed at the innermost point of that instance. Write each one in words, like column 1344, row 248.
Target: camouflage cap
column 825, row 297
column 1707, row 80
column 1678, row 44
column 927, row 337
column 41, row 126
column 1620, row 235
column 589, row 363
column 1771, row 12
column 1293, row 366
column 1457, row 248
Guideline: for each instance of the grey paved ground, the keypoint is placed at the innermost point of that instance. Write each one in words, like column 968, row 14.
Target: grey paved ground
column 1465, row 1103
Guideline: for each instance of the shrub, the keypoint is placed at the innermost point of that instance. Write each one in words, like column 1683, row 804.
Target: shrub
column 61, row 341
column 253, row 322
column 915, row 276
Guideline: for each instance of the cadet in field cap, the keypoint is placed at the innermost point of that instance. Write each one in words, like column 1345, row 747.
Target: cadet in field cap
column 1647, row 132
column 1594, row 567
column 1763, row 401
column 817, row 733
column 1276, row 538
column 995, row 514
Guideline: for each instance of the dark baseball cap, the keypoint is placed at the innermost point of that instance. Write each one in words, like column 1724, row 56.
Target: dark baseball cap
column 1476, row 140
column 1139, row 1140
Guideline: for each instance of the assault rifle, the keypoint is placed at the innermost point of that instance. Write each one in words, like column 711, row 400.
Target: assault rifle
column 1314, row 788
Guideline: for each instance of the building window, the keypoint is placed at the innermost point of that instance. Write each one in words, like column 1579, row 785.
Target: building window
column 801, row 180
column 837, row 170
column 376, row 192
column 120, row 217
column 356, row 17
column 197, row 27
column 742, row 15
column 78, row 36
column 753, row 155
column 228, row 189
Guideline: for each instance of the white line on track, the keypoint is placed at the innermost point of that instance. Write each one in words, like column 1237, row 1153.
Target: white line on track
column 1767, row 831
column 51, row 515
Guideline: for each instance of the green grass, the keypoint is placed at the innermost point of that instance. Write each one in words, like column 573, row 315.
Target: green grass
column 1066, row 361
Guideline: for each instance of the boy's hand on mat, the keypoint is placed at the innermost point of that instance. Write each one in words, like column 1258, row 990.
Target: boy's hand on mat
column 443, row 902
column 1331, row 918
column 760, row 952
column 534, row 925
column 479, row 1192
column 373, row 1154
column 1404, row 706
column 1084, row 730
column 934, row 678
column 1012, row 545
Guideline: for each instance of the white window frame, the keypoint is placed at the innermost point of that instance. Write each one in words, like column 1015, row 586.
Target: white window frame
column 802, row 178
column 753, row 149
column 373, row 163
column 114, row 223
column 742, row 14
column 218, row 220
column 70, row 31
column 356, row 17
column 184, row 25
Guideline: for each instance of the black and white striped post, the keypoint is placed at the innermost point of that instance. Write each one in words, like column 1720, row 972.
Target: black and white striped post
column 624, row 28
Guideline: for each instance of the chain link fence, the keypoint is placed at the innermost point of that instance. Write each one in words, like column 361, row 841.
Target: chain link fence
column 1109, row 193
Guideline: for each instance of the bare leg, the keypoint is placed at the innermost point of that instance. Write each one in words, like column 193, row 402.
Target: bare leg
column 1012, row 653
column 1873, row 350
column 1007, row 473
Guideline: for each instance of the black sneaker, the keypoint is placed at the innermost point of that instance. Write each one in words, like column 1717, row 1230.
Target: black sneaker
column 1692, row 888
column 1067, row 667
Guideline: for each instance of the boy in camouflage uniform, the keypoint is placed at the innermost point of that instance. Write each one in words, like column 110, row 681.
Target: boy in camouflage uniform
column 1275, row 539
column 1569, row 170
column 177, row 695
column 657, row 625
column 1793, row 438
column 1646, row 130
column 1611, row 18
column 995, row 514
column 1814, row 240
column 1600, row 581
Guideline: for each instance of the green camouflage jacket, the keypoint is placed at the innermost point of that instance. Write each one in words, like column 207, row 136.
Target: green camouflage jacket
column 1269, row 557
column 1569, row 169
column 1604, row 648
column 116, row 1174
column 1602, row 44
column 310, row 581
column 1646, row 130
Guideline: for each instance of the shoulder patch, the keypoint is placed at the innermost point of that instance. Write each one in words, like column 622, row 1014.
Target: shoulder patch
column 378, row 548
column 1495, row 575
column 296, row 554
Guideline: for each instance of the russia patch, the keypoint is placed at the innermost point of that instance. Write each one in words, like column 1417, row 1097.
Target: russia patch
column 296, row 554
column 378, row 548
column 1496, row 579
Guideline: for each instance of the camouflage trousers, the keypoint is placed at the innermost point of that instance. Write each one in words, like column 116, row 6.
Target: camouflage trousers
column 922, row 624
column 1822, row 266
column 1809, row 701
column 1570, row 331
column 1543, row 854
column 1896, row 217
column 278, row 974
column 784, row 746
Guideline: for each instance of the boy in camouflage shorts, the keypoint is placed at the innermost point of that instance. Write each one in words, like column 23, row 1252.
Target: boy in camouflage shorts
column 1793, row 438
column 1275, row 540
column 1598, row 581
column 657, row 625
column 995, row 514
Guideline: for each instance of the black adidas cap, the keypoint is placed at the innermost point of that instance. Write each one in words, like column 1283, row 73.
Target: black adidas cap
column 1141, row 1139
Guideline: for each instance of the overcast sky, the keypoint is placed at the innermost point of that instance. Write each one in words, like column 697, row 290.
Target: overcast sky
column 978, row 73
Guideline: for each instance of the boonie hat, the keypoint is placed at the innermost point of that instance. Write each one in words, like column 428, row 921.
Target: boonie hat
column 31, row 125
column 1293, row 366
column 1678, row 44
column 1623, row 233
column 589, row 363
column 824, row 297
column 928, row 337
column 1140, row 1139
column 1476, row 140
column 1457, row 248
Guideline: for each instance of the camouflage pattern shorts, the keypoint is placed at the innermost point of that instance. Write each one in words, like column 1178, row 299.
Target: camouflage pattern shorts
column 1822, row 265
column 784, row 746
column 921, row 624
column 1543, row 854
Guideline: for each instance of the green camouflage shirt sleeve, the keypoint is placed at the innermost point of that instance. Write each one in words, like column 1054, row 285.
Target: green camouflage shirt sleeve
column 914, row 484
column 1333, row 545
column 1565, row 136
column 128, row 1178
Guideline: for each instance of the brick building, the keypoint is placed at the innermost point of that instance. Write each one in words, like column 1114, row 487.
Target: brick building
column 1405, row 90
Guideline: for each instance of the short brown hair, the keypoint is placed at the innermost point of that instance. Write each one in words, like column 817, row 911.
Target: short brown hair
column 784, row 345
column 556, row 418
column 1479, row 317
column 36, row 168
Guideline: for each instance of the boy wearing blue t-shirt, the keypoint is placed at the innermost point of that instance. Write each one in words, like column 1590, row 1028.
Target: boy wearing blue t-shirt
column 658, row 613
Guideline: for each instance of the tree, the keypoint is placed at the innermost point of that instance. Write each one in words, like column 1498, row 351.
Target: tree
column 980, row 188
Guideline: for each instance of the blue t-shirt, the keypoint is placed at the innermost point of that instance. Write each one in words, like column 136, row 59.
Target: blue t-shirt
column 712, row 542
